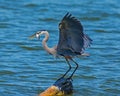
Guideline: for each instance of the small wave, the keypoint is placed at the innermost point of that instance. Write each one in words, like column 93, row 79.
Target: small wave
column 5, row 72
column 91, row 18
column 113, row 90
column 31, row 5
column 48, row 19
column 4, row 25
column 88, row 77
column 29, row 48
column 99, row 30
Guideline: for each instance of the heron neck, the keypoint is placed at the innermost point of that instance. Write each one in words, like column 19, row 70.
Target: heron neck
column 44, row 42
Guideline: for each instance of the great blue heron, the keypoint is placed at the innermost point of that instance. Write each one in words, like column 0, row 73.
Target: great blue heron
column 72, row 40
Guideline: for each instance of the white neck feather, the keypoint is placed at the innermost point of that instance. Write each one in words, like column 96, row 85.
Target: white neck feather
column 44, row 43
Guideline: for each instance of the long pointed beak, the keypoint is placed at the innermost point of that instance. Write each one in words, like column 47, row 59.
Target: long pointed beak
column 32, row 36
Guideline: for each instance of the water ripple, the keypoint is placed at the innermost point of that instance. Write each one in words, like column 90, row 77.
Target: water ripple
column 29, row 48
column 26, row 69
column 91, row 18
column 31, row 5
column 48, row 19
column 4, row 25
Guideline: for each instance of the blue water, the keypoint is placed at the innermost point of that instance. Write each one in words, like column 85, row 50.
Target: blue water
column 27, row 70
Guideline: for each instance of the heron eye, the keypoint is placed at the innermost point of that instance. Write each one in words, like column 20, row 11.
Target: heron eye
column 37, row 33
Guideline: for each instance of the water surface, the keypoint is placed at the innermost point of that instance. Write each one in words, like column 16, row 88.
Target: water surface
column 26, row 69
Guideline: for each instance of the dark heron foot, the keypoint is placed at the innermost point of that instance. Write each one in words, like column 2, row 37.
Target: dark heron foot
column 61, row 87
column 65, row 85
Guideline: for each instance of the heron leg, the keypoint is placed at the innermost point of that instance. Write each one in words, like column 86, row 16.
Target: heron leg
column 75, row 68
column 68, row 69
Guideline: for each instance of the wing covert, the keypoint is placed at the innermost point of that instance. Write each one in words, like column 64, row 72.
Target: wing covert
column 72, row 40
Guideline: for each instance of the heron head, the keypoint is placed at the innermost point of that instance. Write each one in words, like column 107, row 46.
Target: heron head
column 37, row 34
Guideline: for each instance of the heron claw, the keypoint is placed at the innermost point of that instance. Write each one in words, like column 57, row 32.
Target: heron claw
column 64, row 84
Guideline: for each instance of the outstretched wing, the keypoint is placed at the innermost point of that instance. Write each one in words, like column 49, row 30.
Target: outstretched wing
column 72, row 40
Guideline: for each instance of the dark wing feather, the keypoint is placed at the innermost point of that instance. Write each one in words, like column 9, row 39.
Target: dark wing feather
column 72, row 40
